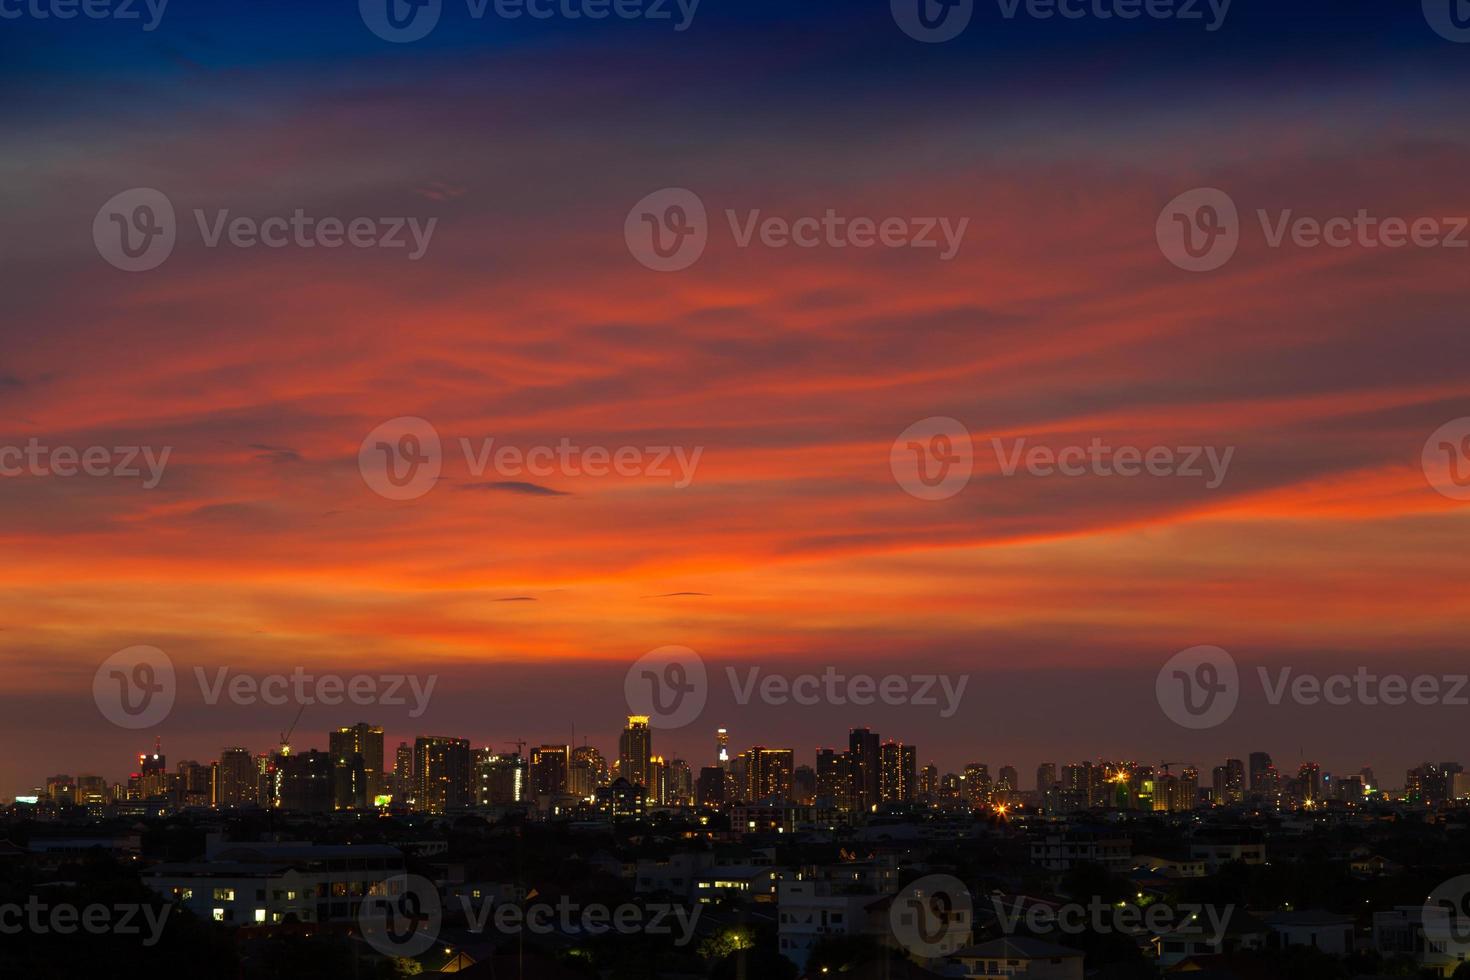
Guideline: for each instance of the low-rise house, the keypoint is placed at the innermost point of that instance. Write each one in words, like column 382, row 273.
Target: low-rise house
column 1326, row 931
column 1018, row 956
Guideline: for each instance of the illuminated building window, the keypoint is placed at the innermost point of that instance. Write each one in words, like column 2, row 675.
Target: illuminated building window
column 224, row 894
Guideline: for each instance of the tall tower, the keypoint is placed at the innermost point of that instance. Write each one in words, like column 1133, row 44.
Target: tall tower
column 722, row 749
column 862, row 748
column 635, row 751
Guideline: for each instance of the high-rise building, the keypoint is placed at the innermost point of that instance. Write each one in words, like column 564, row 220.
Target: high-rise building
column 722, row 748
column 679, row 782
column 441, row 768
column 897, row 772
column 1309, row 778
column 237, row 783
column 152, row 781
column 357, row 754
column 499, row 779
column 929, row 783
column 1264, row 781
column 306, row 781
column 550, row 767
column 635, row 750
column 710, row 790
column 977, row 786
column 865, row 765
column 1046, row 776
column 404, row 785
column 587, row 771
column 768, row 773
column 835, row 780
column 363, row 779
column 1007, row 785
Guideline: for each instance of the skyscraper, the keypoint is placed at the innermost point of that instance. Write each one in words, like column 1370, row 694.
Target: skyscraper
column 769, row 773
column 357, row 752
column 635, row 750
column 306, row 780
column 441, row 768
column 550, row 767
column 1046, row 776
column 236, row 784
column 1264, row 781
column 863, row 755
column 499, row 779
column 722, row 748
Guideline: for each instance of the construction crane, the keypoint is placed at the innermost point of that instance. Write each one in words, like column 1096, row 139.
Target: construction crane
column 286, row 735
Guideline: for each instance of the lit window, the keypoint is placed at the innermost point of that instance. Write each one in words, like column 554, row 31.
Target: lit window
column 224, row 894
column 260, row 915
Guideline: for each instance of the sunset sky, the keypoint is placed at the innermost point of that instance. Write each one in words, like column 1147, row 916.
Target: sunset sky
column 528, row 321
